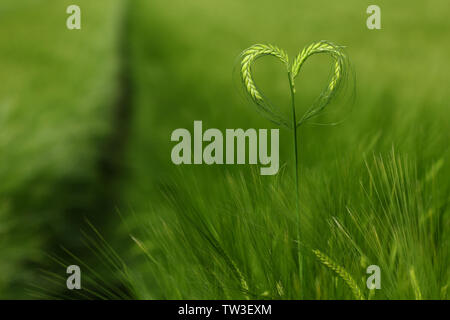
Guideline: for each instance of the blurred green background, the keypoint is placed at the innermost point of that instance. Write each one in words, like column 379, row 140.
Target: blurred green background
column 86, row 117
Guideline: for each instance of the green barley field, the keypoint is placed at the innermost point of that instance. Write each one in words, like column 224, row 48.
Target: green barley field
column 87, row 178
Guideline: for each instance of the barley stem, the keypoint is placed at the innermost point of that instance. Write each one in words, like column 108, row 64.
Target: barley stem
column 297, row 197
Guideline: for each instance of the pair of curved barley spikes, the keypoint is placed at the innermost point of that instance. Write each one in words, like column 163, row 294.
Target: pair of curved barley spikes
column 250, row 55
column 340, row 63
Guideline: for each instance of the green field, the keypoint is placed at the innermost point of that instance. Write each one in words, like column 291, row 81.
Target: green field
column 374, row 189
column 56, row 114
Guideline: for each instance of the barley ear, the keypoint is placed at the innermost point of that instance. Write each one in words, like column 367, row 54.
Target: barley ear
column 248, row 58
column 340, row 69
column 415, row 284
column 341, row 272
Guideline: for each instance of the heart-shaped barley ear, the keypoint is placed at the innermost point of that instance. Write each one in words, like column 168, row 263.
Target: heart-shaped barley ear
column 248, row 57
column 339, row 74
column 340, row 66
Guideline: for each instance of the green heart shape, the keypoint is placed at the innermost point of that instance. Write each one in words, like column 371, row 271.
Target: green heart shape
column 250, row 55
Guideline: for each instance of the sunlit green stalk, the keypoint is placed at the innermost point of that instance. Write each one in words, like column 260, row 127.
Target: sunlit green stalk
column 297, row 195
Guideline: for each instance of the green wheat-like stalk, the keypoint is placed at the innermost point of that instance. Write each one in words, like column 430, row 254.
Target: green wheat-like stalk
column 248, row 58
column 341, row 272
column 415, row 284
